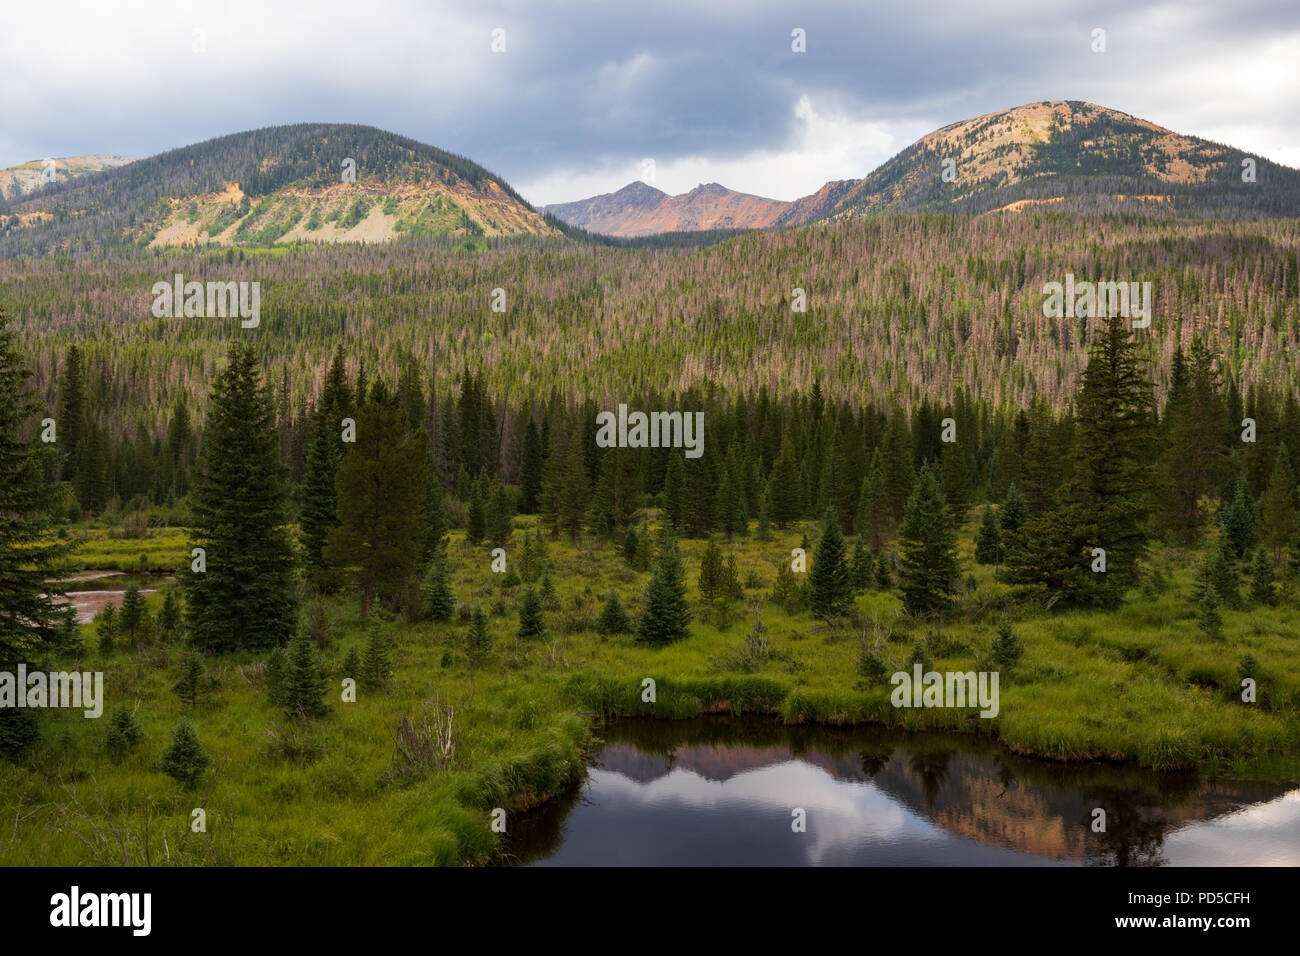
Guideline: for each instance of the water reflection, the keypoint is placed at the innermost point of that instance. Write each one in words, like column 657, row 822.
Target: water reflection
column 722, row 792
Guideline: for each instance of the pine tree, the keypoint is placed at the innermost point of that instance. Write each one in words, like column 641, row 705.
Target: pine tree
column 132, row 614
column 382, row 486
column 476, row 524
column 435, row 515
column 1007, row 648
column 530, row 470
column 1237, row 520
column 1219, row 574
column 1277, row 509
column 106, row 627
column 169, row 618
column 674, row 495
column 1262, row 589
column 988, row 539
column 351, row 666
column 318, row 514
column 928, row 541
column 862, row 566
column 439, row 601
column 190, row 687
column 732, row 588
column 874, row 515
column 531, row 624
column 831, row 590
column 783, row 487
column 246, row 597
column 1209, row 619
column 184, row 760
column 613, row 618
column 72, row 414
column 124, row 734
column 478, row 641
column 710, row 579
column 500, row 514
column 666, row 613
column 1013, row 512
column 304, row 681
column 375, row 666
column 884, row 573
column 630, row 544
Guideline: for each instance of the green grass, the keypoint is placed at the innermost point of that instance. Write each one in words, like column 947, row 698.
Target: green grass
column 1140, row 684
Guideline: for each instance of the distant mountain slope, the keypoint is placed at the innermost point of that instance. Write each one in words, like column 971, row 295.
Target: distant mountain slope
column 279, row 184
column 640, row 210
column 17, row 181
column 1075, row 154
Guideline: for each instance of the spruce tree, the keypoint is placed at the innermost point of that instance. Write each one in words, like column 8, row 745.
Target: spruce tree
column 245, row 598
column 710, row 579
column 382, row 486
column 1278, row 508
column 132, row 614
column 1013, row 512
column 831, row 590
column 304, row 682
column 439, row 602
column 674, row 495
column 884, row 572
column 988, row 539
column 613, row 618
column 351, row 666
column 783, row 487
column 124, row 734
column 630, row 544
column 318, row 513
column 190, row 686
column 169, row 618
column 1237, row 520
column 874, row 515
column 376, row 668
column 478, row 641
column 1262, row 587
column 928, row 542
column 276, row 673
column 862, row 566
column 72, row 414
column 666, row 612
column 106, row 627
column 530, row 470
column 184, row 760
column 531, row 624
column 1209, row 618
column 1007, row 648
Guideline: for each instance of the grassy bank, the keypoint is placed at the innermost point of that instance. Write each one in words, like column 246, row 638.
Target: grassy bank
column 1140, row 684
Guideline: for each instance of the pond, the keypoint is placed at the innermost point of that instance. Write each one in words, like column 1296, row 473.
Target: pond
column 732, row 792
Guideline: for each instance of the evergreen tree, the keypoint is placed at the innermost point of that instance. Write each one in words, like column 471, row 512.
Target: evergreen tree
column 674, row 496
column 1237, row 520
column 169, row 618
column 875, row 515
column 531, row 624
column 731, row 587
column 304, row 681
column 190, row 687
column 439, row 602
column 1262, row 589
column 783, row 487
column 884, row 572
column 500, row 514
column 246, row 596
column 928, row 541
column 666, row 613
column 72, row 413
column 613, row 618
column 106, row 627
column 351, row 666
column 1013, row 512
column 710, row 579
column 124, row 734
column 382, row 486
column 1209, row 619
column 862, row 567
column 546, row 590
column 630, row 544
column 831, row 590
column 435, row 515
column 375, row 666
column 184, row 760
column 476, row 524
column 1219, row 574
column 478, row 641
column 530, row 470
column 988, row 539
column 1278, row 508
column 318, row 514
column 1007, row 648
column 132, row 614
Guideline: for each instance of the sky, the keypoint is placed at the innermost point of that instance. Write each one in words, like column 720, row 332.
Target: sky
column 581, row 97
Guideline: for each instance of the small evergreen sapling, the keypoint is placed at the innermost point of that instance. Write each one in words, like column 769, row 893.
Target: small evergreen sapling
column 184, row 760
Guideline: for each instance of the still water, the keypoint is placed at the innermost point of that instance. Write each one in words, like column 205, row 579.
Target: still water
column 725, row 792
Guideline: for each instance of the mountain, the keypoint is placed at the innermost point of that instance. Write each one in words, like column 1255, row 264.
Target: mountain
column 1070, row 154
column 275, row 185
column 640, row 210
column 26, row 178
column 1065, row 154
